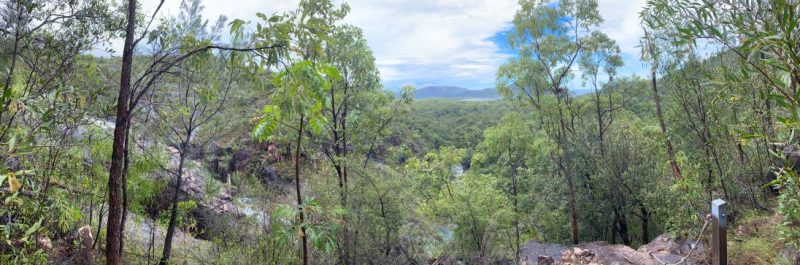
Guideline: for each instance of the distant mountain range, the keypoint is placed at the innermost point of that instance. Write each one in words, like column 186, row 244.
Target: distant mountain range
column 454, row 92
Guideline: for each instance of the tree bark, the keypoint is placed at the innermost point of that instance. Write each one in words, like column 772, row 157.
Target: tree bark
column 114, row 232
column 126, row 163
column 298, row 144
column 676, row 170
column 568, row 172
column 165, row 255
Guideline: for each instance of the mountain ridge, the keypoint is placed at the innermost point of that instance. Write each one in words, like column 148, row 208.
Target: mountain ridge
column 454, row 92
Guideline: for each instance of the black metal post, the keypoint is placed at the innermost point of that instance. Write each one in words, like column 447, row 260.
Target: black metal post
column 719, row 244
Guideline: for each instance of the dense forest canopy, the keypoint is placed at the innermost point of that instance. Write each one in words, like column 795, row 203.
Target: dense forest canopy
column 275, row 141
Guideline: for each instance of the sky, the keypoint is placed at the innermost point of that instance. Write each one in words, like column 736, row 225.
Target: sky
column 438, row 42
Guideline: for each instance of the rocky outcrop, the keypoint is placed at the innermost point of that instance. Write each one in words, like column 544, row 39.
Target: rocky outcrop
column 194, row 187
column 659, row 251
column 534, row 251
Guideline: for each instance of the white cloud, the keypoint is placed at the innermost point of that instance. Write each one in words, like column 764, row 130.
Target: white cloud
column 436, row 41
column 622, row 23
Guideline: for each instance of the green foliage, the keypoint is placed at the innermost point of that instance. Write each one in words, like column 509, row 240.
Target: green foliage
column 387, row 180
column 789, row 206
column 432, row 123
column 300, row 92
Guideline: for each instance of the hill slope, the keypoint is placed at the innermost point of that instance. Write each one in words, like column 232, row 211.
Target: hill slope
column 453, row 92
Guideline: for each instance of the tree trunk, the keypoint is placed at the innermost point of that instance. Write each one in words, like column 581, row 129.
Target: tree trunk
column 622, row 226
column 114, row 232
column 126, row 163
column 645, row 216
column 568, row 172
column 298, row 144
column 348, row 240
column 600, row 130
column 10, row 77
column 516, row 218
column 513, row 172
column 165, row 255
column 676, row 170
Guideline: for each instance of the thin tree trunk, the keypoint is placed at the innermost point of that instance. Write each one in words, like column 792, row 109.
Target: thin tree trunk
column 125, row 189
column 298, row 144
column 347, row 233
column 600, row 129
column 676, row 170
column 516, row 204
column 174, row 211
column 568, row 172
column 114, row 232
column 99, row 225
column 11, row 68
column 516, row 218
column 645, row 216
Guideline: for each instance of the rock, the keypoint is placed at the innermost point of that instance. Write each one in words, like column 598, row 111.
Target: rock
column 194, row 181
column 545, row 260
column 577, row 251
column 663, row 247
column 791, row 254
column 268, row 174
column 743, row 231
column 531, row 251
column 44, row 242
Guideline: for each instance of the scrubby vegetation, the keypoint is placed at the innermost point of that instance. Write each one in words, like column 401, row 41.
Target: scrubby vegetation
column 274, row 141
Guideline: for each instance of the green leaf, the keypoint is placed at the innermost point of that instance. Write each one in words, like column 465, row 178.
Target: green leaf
column 274, row 18
column 236, row 25
column 12, row 143
column 35, row 227
column 152, row 36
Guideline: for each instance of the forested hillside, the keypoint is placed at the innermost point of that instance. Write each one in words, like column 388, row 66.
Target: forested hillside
column 452, row 92
column 275, row 141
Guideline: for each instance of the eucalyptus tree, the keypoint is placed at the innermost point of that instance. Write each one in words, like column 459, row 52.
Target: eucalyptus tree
column 550, row 38
column 508, row 145
column 653, row 51
column 297, row 102
column 192, row 96
column 301, row 88
column 377, row 204
column 602, row 57
column 346, row 49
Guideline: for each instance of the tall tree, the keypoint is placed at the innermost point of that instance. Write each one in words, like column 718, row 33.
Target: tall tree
column 549, row 39
column 194, row 97
column 510, row 142
column 650, row 52
column 601, row 57
column 299, row 95
column 114, row 223
column 347, row 50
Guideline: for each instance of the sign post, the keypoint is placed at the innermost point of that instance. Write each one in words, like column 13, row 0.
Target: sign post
column 719, row 244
